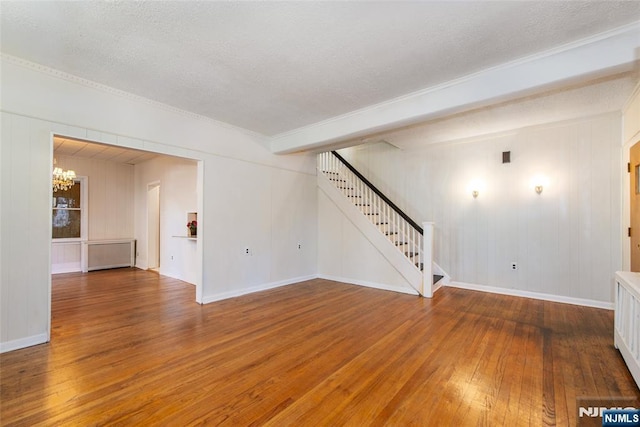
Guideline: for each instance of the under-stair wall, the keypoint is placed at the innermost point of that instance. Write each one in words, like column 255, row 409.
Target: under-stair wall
column 403, row 243
column 346, row 255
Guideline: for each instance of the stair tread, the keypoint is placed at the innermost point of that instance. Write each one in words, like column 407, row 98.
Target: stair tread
column 436, row 277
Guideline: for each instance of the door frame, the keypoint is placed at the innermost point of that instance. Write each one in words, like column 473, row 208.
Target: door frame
column 630, row 135
column 626, row 201
column 626, row 207
column 108, row 139
column 150, row 187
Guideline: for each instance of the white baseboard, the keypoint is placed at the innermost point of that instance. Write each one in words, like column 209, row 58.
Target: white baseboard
column 440, row 284
column 107, row 267
column 142, row 264
column 533, row 295
column 367, row 284
column 23, row 342
column 236, row 293
column 174, row 276
column 69, row 267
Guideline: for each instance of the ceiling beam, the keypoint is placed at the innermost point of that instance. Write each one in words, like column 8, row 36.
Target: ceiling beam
column 607, row 53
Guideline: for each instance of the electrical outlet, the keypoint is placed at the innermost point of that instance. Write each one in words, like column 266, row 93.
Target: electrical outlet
column 514, row 265
column 299, row 245
column 171, row 257
column 247, row 251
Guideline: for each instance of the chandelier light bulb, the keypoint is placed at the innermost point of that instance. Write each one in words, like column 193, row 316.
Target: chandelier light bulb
column 62, row 180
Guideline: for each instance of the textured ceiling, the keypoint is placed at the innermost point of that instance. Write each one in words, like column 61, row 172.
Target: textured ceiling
column 77, row 148
column 272, row 67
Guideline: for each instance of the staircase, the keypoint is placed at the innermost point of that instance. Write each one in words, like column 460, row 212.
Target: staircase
column 403, row 236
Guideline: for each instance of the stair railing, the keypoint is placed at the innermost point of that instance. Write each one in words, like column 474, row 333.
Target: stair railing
column 382, row 212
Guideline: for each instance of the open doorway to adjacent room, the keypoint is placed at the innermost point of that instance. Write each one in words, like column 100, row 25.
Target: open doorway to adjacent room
column 134, row 206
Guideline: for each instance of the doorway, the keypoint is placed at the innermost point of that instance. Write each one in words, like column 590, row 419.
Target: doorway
column 153, row 226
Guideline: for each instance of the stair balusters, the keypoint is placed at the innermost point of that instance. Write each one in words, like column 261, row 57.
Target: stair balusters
column 407, row 237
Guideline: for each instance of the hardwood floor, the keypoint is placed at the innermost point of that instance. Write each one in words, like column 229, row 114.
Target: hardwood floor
column 131, row 347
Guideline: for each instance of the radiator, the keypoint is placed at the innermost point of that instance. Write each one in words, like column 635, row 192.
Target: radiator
column 102, row 254
column 627, row 320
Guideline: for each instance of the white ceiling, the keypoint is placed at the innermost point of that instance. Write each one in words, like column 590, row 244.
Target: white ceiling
column 272, row 67
column 77, row 148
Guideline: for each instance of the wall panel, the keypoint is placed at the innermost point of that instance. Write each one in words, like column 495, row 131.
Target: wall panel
column 344, row 253
column 566, row 240
column 31, row 98
column 25, row 230
column 178, row 183
column 111, row 189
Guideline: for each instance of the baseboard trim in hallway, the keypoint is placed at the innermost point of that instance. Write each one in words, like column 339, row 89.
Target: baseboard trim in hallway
column 534, row 295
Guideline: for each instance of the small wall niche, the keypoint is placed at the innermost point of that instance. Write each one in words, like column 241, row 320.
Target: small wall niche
column 191, row 217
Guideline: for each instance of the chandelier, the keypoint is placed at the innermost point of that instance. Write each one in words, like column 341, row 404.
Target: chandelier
column 62, row 180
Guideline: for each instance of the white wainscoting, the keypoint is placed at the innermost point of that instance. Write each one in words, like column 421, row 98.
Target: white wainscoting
column 66, row 257
column 627, row 320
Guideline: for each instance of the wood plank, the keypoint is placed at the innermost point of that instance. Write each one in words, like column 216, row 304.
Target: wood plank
column 132, row 347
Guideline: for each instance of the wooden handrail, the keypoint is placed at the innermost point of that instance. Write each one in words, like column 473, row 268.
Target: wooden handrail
column 379, row 193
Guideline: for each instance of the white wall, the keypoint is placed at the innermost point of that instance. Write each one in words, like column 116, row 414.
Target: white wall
column 248, row 196
column 266, row 210
column 178, row 195
column 345, row 254
column 110, row 186
column 632, row 116
column 566, row 241
column 110, row 205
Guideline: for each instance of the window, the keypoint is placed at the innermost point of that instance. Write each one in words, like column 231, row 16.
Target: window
column 68, row 212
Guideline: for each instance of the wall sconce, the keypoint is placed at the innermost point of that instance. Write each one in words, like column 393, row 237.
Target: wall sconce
column 538, row 182
column 475, row 187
